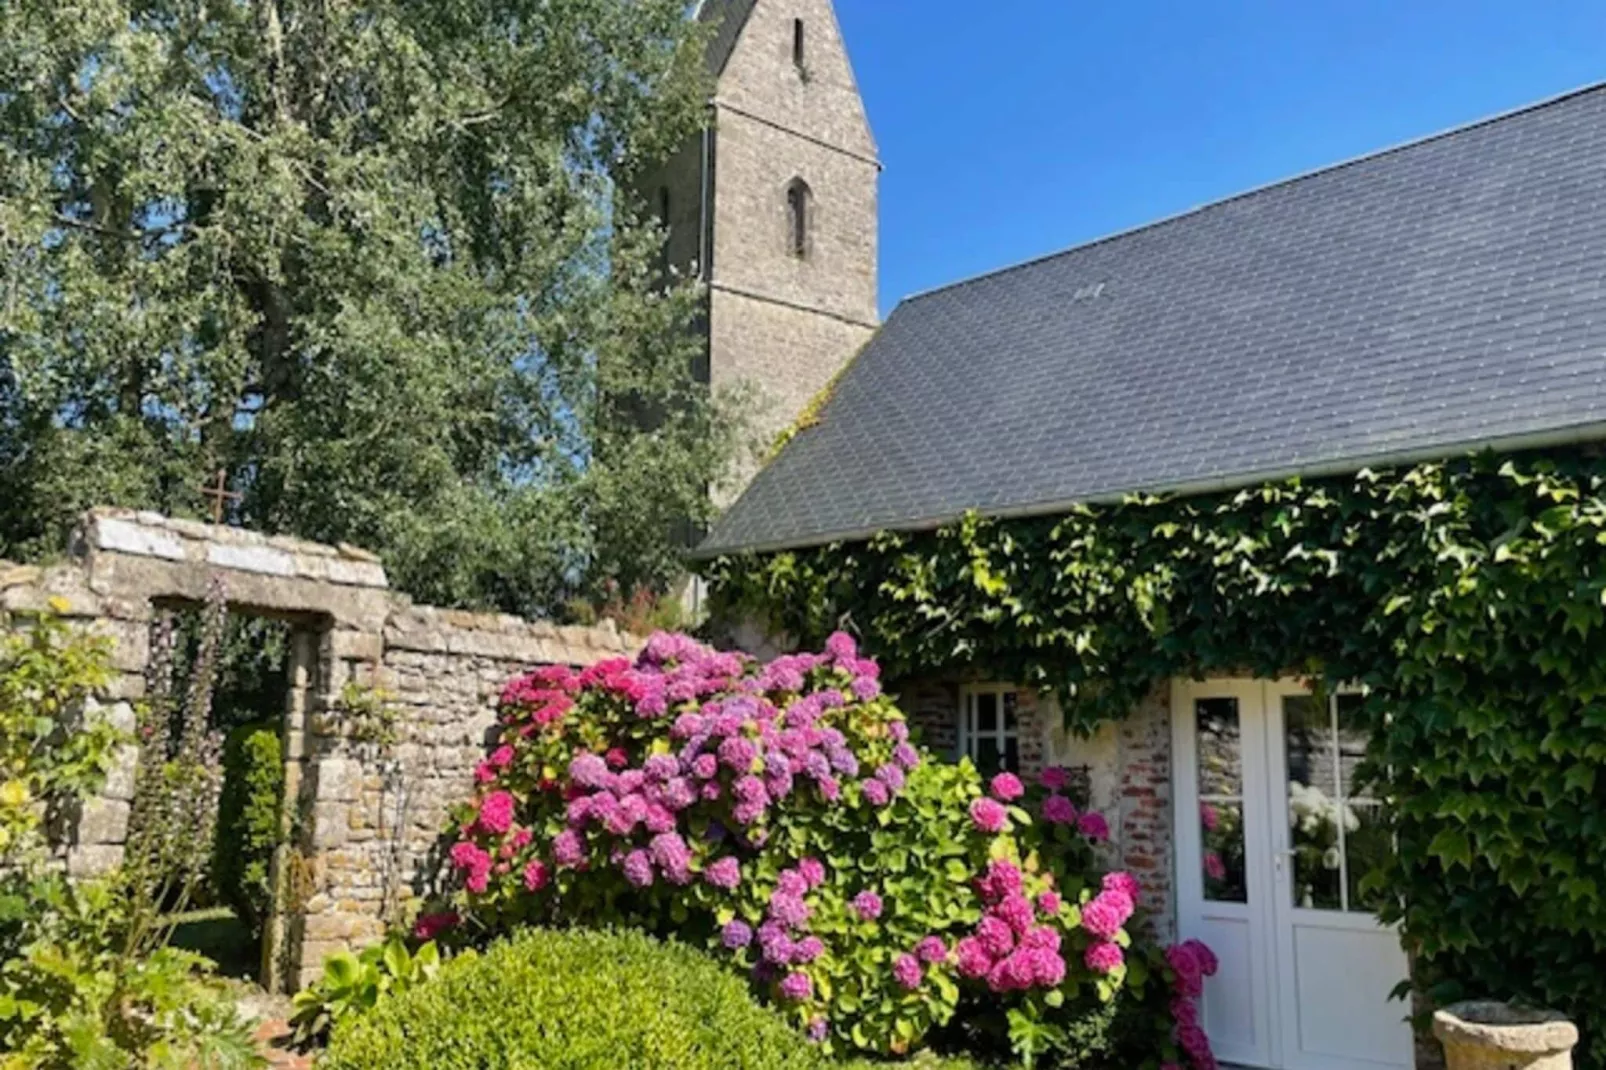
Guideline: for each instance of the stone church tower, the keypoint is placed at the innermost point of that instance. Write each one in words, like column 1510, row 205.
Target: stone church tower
column 774, row 207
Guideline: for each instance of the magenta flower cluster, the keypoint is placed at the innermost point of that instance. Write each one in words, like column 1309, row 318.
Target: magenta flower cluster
column 1012, row 949
column 1191, row 962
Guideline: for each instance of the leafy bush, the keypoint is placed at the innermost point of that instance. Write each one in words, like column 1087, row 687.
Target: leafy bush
column 779, row 816
column 578, row 1000
column 77, row 986
column 353, row 984
column 248, row 822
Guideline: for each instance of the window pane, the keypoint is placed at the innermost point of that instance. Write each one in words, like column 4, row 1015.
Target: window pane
column 1009, row 711
column 1221, row 813
column 984, row 752
column 1313, row 804
column 1011, row 753
column 986, row 712
column 1367, row 845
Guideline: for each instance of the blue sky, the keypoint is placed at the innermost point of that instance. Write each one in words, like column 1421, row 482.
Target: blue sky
column 1013, row 128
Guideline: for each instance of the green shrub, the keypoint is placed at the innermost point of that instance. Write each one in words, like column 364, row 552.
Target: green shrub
column 574, row 999
column 248, row 822
column 354, row 984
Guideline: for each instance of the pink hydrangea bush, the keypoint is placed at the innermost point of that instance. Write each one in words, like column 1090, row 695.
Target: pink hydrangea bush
column 781, row 814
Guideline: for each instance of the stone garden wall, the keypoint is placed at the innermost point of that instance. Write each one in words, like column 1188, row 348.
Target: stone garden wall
column 366, row 812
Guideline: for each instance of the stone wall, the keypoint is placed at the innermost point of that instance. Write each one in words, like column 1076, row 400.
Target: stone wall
column 367, row 817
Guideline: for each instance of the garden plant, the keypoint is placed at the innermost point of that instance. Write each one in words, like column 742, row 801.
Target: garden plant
column 780, row 816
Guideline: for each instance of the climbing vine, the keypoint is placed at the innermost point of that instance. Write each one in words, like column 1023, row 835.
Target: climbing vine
column 1468, row 596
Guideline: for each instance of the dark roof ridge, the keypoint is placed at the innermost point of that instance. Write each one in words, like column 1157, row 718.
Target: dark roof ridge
column 1153, row 224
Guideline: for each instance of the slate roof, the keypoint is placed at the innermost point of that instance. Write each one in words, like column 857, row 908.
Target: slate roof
column 731, row 17
column 1433, row 298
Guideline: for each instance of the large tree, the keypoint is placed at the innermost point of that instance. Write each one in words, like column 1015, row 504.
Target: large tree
column 378, row 259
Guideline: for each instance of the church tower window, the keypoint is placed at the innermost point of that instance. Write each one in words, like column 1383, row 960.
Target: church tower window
column 799, row 54
column 799, row 203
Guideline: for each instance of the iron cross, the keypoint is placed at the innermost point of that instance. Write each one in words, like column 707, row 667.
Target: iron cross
column 220, row 495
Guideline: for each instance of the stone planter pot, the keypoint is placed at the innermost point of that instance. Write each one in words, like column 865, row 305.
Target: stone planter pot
column 1485, row 1035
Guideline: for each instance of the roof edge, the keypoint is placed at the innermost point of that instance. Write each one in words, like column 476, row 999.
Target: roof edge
column 1289, row 180
column 1574, row 434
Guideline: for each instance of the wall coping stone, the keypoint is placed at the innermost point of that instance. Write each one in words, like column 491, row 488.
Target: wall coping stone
column 147, row 534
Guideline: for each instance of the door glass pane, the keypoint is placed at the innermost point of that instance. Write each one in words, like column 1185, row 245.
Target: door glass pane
column 986, row 712
column 1368, row 843
column 1314, row 804
column 1221, row 799
column 1353, row 735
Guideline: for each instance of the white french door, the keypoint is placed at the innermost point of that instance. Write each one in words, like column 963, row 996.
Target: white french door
column 1273, row 837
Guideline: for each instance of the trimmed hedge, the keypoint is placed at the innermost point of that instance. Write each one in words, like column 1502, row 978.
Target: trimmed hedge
column 248, row 821
column 575, row 999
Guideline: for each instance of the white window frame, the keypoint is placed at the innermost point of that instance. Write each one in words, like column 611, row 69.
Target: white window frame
column 968, row 732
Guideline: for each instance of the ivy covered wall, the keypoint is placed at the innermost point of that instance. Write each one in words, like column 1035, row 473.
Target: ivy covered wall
column 1469, row 596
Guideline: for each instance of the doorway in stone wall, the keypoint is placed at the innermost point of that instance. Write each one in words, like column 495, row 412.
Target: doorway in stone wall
column 211, row 811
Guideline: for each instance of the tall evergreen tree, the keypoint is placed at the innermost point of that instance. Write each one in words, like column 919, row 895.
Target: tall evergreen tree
column 378, row 259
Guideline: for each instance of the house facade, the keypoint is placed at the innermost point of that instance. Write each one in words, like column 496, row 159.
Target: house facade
column 1429, row 302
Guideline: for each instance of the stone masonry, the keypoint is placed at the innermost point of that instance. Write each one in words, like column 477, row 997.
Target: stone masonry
column 367, row 817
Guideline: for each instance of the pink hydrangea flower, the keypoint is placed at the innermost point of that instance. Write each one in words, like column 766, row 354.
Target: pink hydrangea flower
column 1209, row 817
column 1048, row 903
column 1055, row 778
column 736, row 935
column 496, row 812
column 637, row 868
column 1016, row 912
column 1006, row 787
column 813, row 871
column 906, row 970
column 726, row 873
column 1094, row 827
column 818, row 1029
column 1103, row 957
column 1206, row 958
column 842, row 647
column 797, row 987
column 807, row 950
column 995, row 935
column 1058, row 810
column 1002, row 879
column 1041, row 937
column 1104, row 916
column 971, row 958
column 988, row 815
column 590, row 771
column 791, row 882
column 1214, row 867
column 867, row 905
column 931, row 949
column 536, row 875
column 876, row 793
column 568, row 848
column 1123, row 882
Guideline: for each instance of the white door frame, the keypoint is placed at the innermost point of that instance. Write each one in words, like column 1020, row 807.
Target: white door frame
column 1266, row 925
column 1200, row 919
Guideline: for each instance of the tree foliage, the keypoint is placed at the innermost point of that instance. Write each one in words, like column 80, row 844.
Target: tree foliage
column 379, row 259
column 1469, row 596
